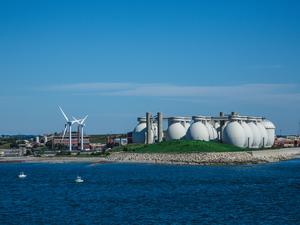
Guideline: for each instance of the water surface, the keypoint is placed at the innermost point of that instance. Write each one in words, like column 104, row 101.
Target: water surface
column 150, row 194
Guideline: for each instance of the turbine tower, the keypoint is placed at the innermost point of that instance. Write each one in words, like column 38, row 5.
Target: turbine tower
column 81, row 124
column 68, row 125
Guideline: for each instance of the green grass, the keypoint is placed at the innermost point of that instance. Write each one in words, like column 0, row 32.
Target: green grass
column 5, row 146
column 180, row 146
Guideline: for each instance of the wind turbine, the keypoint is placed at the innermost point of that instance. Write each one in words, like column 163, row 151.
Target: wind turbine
column 67, row 125
column 81, row 125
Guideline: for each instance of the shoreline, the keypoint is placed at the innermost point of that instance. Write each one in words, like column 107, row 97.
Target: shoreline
column 52, row 159
column 203, row 158
column 208, row 158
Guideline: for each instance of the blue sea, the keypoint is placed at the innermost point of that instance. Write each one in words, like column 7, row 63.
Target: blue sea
column 150, row 194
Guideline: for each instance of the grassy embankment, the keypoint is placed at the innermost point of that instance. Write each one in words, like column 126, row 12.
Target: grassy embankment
column 180, row 146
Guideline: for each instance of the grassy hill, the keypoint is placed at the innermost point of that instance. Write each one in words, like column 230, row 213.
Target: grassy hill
column 180, row 146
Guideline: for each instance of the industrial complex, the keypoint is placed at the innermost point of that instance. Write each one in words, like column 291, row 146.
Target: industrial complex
column 248, row 132
column 241, row 131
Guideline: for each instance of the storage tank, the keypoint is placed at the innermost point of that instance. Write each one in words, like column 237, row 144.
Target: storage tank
column 225, row 124
column 213, row 135
column 255, row 132
column 198, row 130
column 139, row 132
column 234, row 133
column 270, row 127
column 263, row 134
column 176, row 130
column 248, row 133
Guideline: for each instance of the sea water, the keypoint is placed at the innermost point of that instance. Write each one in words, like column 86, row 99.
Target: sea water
column 150, row 194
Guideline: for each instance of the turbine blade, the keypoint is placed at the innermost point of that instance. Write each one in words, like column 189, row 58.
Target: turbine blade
column 82, row 121
column 65, row 130
column 62, row 111
column 75, row 120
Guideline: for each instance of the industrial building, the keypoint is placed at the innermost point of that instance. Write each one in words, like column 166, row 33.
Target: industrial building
column 76, row 140
column 242, row 131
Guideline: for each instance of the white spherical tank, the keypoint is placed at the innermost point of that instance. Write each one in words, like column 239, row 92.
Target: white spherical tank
column 234, row 134
column 223, row 127
column 248, row 134
column 213, row 135
column 198, row 130
column 256, row 134
column 263, row 133
column 139, row 132
column 176, row 130
column 270, row 127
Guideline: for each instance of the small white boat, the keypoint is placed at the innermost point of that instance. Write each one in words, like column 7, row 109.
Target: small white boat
column 79, row 180
column 22, row 175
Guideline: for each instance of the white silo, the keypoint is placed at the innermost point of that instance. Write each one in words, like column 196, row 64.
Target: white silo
column 255, row 132
column 176, row 130
column 263, row 133
column 234, row 133
column 248, row 133
column 270, row 127
column 139, row 132
column 213, row 135
column 198, row 130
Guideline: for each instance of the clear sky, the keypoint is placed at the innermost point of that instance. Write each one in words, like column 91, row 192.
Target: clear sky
column 115, row 60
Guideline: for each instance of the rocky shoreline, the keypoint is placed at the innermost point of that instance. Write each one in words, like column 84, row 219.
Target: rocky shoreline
column 227, row 158
column 208, row 158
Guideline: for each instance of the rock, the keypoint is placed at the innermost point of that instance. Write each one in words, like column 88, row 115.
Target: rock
column 250, row 157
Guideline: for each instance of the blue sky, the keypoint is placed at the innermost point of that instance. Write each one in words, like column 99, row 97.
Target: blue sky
column 115, row 60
